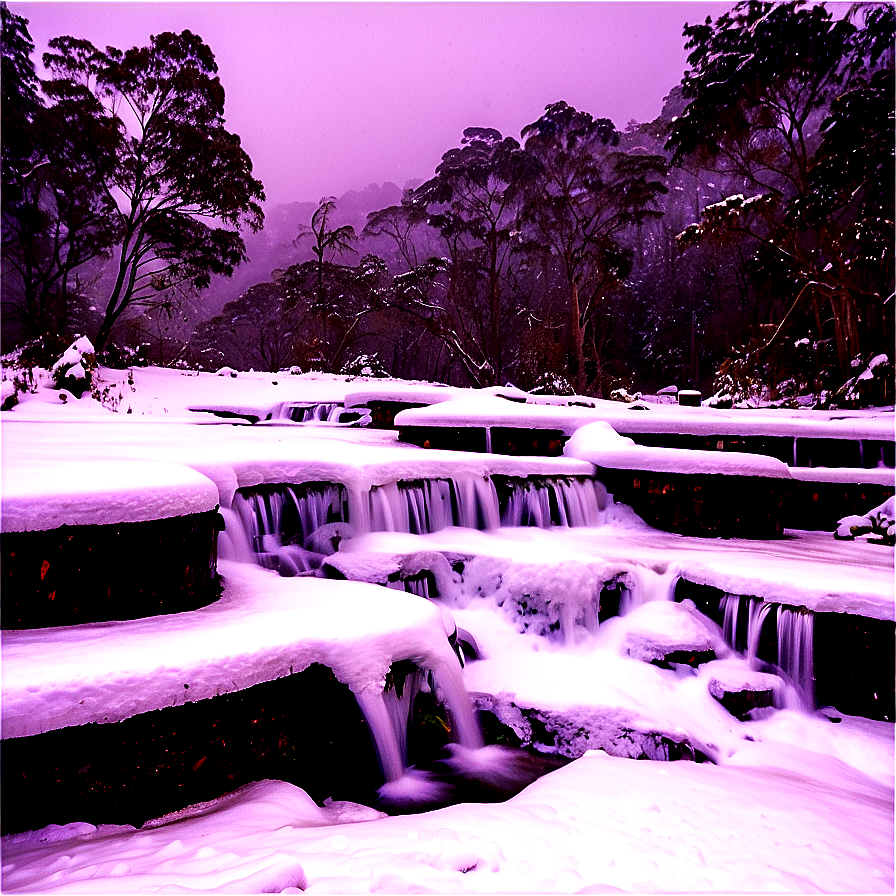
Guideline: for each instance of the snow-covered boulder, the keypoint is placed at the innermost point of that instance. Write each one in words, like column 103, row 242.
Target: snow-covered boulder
column 662, row 632
column 74, row 370
column 739, row 688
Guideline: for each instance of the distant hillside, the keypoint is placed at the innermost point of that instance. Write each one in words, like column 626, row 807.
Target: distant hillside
column 272, row 247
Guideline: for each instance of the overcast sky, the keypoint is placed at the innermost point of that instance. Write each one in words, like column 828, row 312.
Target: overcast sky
column 329, row 97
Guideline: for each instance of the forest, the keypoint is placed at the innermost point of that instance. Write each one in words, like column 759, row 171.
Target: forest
column 740, row 244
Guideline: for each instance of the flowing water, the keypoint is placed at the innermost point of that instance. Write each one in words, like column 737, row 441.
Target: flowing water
column 293, row 528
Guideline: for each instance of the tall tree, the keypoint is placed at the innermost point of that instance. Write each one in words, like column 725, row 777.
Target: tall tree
column 56, row 216
column 763, row 95
column 181, row 185
column 475, row 200
column 330, row 239
column 587, row 196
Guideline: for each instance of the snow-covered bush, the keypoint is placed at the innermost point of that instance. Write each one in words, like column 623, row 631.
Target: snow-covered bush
column 365, row 365
column 879, row 522
column 75, row 370
column 551, row 383
column 872, row 386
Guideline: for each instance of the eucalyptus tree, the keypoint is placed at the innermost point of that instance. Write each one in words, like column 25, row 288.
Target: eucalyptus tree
column 57, row 216
column 799, row 104
column 179, row 186
column 475, row 200
column 587, row 196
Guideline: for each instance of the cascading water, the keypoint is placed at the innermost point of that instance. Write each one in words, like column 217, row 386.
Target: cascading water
column 642, row 584
column 796, row 651
column 281, row 524
column 794, row 629
column 415, row 507
column 325, row 412
column 554, row 502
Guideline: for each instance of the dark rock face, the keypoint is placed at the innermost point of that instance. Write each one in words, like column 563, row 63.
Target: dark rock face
column 741, row 703
column 692, row 658
column 77, row 574
column 451, row 438
column 305, row 729
column 704, row 505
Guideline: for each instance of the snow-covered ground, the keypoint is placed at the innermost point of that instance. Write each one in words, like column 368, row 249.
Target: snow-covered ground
column 795, row 802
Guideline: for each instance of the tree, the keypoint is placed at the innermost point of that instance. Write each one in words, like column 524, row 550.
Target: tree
column 177, row 173
column 399, row 223
column 799, row 105
column 475, row 200
column 56, row 216
column 587, row 196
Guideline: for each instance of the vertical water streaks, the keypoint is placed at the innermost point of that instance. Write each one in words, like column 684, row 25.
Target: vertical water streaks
column 796, row 651
column 643, row 584
column 791, row 643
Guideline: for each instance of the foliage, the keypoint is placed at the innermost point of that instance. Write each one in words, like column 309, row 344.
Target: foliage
column 169, row 171
column 799, row 105
column 475, row 200
column 588, row 194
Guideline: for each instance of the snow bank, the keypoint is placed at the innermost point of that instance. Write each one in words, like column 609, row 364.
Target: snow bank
column 593, row 442
column 263, row 628
column 598, row 825
column 83, row 492
column 645, row 417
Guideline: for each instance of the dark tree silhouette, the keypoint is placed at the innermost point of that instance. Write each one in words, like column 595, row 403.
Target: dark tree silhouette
column 181, row 185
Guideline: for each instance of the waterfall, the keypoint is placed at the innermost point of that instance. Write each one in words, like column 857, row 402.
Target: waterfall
column 794, row 637
column 279, row 523
column 796, row 651
column 558, row 502
column 643, row 584
column 382, row 729
column 758, row 610
column 730, row 605
column 417, row 507
column 325, row 412
column 389, row 712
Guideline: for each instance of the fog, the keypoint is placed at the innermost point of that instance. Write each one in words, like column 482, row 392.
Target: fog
column 330, row 97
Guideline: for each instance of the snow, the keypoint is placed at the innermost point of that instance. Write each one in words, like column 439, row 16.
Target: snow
column 601, row 824
column 91, row 492
column 72, row 357
column 593, row 442
column 809, row 569
column 642, row 417
column 796, row 803
column 263, row 628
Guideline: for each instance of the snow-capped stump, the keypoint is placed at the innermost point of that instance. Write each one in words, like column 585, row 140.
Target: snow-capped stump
column 74, row 370
column 741, row 689
column 664, row 632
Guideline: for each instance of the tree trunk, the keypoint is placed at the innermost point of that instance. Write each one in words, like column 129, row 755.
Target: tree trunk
column 577, row 337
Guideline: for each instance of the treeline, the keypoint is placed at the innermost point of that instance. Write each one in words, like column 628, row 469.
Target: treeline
column 741, row 243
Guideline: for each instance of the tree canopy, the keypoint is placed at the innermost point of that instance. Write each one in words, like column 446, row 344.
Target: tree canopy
column 139, row 165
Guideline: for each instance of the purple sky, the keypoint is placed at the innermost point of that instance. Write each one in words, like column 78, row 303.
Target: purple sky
column 329, row 97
